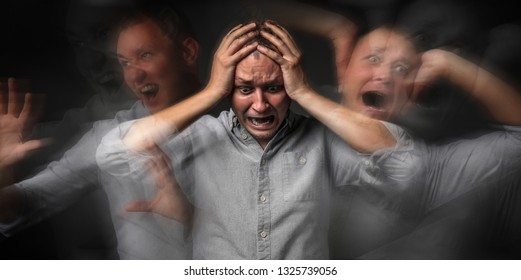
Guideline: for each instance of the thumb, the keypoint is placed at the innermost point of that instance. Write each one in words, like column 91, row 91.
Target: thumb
column 28, row 147
column 417, row 89
column 420, row 83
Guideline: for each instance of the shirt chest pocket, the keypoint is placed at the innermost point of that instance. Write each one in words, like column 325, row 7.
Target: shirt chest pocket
column 303, row 175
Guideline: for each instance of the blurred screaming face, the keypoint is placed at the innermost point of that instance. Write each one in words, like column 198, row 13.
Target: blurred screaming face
column 153, row 65
column 379, row 77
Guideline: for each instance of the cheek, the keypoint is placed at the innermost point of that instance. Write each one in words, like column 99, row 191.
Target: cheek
column 280, row 102
column 126, row 77
column 357, row 75
column 240, row 103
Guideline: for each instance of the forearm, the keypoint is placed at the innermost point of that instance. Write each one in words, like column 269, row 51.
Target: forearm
column 364, row 134
column 181, row 115
column 501, row 100
column 155, row 129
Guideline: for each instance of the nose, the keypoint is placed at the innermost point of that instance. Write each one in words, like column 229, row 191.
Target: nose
column 382, row 73
column 134, row 75
column 260, row 103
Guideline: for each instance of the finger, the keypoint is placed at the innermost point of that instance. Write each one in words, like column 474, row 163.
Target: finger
column 284, row 35
column 287, row 47
column 26, row 110
column 240, row 42
column 3, row 96
column 160, row 168
column 24, row 150
column 14, row 104
column 244, row 52
column 234, row 28
column 419, row 85
column 279, row 44
column 275, row 56
column 417, row 90
column 138, row 206
column 236, row 33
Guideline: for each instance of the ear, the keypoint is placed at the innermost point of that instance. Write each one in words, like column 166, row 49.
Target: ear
column 190, row 51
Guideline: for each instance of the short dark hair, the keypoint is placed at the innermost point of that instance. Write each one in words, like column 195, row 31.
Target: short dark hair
column 261, row 40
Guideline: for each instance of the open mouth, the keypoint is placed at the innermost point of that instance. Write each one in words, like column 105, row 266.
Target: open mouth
column 149, row 90
column 260, row 122
column 375, row 99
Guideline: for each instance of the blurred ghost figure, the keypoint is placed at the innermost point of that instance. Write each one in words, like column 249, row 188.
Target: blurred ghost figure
column 83, row 230
column 459, row 207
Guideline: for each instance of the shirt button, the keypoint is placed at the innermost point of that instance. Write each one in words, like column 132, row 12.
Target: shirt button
column 244, row 136
column 262, row 198
column 264, row 234
column 302, row 160
column 367, row 163
column 263, row 161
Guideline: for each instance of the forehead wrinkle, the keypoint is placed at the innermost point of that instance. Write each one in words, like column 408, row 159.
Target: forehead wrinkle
column 254, row 70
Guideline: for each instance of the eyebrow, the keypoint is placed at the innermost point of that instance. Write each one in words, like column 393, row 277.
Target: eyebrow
column 136, row 52
column 243, row 81
column 403, row 59
column 250, row 82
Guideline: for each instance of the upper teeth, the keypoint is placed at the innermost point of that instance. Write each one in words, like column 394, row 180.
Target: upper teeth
column 148, row 88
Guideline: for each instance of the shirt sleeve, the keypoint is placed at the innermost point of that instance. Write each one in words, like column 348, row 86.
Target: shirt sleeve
column 57, row 186
column 125, row 173
column 462, row 165
column 391, row 170
column 112, row 156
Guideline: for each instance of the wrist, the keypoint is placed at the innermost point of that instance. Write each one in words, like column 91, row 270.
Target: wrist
column 301, row 94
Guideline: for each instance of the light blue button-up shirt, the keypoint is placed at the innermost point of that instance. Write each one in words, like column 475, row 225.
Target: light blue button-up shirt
column 63, row 182
column 255, row 203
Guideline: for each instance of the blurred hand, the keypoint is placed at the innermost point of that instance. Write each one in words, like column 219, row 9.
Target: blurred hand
column 170, row 201
column 230, row 52
column 17, row 116
column 434, row 66
column 288, row 57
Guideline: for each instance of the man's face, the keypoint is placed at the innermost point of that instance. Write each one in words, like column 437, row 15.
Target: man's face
column 152, row 67
column 259, row 99
column 379, row 76
column 88, row 29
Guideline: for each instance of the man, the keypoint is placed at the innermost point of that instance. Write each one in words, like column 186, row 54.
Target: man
column 159, row 55
column 378, row 81
column 259, row 176
column 480, row 165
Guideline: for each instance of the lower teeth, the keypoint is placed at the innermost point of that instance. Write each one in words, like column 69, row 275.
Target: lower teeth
column 257, row 122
